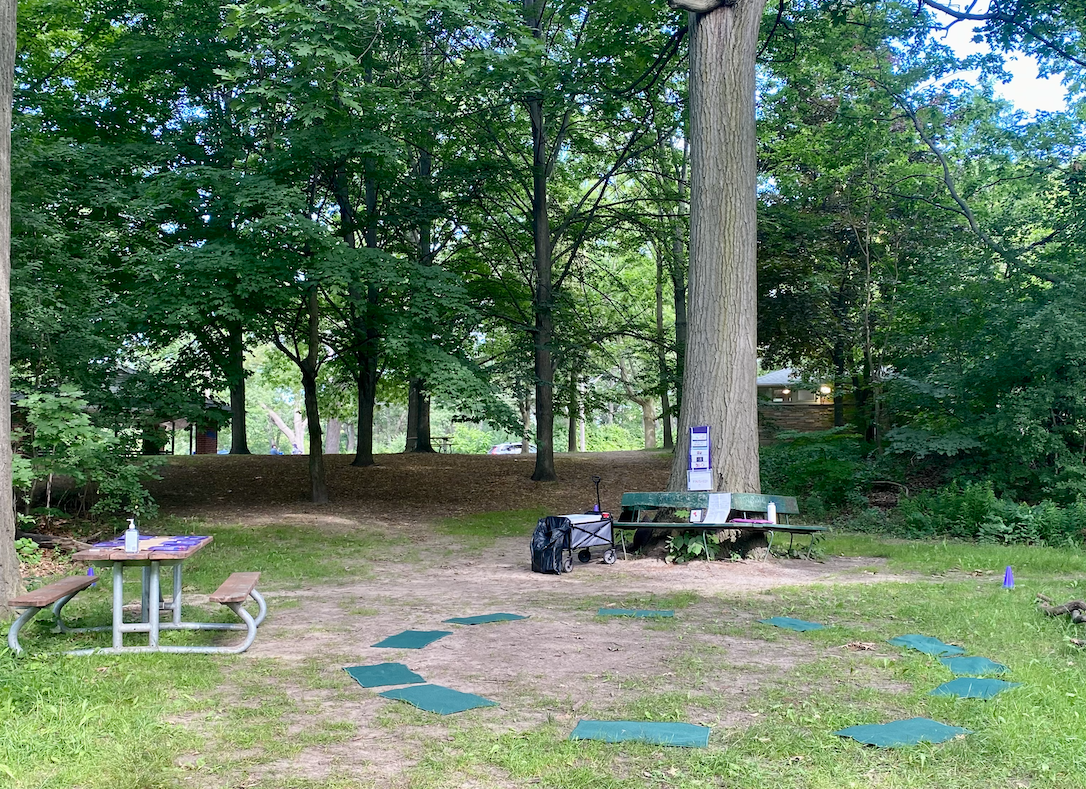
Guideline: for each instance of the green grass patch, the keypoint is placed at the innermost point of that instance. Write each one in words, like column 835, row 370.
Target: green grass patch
column 940, row 556
column 488, row 526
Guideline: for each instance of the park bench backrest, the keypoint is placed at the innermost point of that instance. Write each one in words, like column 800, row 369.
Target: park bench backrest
column 687, row 500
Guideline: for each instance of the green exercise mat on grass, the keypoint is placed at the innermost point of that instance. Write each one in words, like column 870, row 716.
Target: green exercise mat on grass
column 412, row 639
column 974, row 687
column 788, row 623
column 973, row 666
column 683, row 735
column 905, row 732
column 926, row 644
column 438, row 698
column 638, row 612
column 483, row 619
column 383, row 674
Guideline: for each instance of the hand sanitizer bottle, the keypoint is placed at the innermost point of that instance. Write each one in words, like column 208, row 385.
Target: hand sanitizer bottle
column 771, row 512
column 131, row 537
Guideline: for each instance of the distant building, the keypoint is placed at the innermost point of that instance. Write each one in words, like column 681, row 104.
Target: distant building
column 787, row 402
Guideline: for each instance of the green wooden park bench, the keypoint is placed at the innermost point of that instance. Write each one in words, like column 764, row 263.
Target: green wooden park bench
column 746, row 511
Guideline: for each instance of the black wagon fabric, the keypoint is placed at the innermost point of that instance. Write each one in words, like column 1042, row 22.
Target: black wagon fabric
column 550, row 538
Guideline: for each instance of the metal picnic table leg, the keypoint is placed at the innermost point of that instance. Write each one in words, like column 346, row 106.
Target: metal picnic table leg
column 177, row 594
column 145, row 593
column 118, row 604
column 153, row 610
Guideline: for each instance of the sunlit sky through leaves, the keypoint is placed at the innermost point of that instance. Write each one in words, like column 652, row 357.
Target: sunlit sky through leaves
column 1028, row 92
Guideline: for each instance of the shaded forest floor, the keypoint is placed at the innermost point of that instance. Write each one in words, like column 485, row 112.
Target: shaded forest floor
column 228, row 487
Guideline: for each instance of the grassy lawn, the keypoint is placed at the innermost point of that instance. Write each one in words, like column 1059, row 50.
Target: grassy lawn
column 208, row 721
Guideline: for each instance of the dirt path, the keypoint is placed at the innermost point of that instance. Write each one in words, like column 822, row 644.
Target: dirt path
column 561, row 663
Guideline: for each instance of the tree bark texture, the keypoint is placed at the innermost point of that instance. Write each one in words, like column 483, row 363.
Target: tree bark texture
column 235, row 374
column 332, row 437
column 721, row 366
column 9, row 562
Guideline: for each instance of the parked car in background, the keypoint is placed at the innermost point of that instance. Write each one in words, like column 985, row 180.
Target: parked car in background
column 512, row 448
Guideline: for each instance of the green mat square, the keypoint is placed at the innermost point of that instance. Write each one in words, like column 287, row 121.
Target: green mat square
column 383, row 674
column 926, row 644
column 788, row 623
column 438, row 698
column 974, row 688
column 412, row 639
column 683, row 735
column 638, row 612
column 905, row 732
column 483, row 619
column 973, row 666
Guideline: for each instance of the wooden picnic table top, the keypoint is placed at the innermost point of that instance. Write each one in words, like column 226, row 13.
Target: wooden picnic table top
column 151, row 549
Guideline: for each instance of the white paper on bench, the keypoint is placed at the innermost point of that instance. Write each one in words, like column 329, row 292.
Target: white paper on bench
column 720, row 507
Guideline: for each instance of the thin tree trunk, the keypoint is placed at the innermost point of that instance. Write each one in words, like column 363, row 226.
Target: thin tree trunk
column 574, row 410
column 235, row 375
column 678, row 273
column 318, row 488
column 542, row 303
column 543, row 298
column 420, row 405
column 411, row 432
column 661, row 354
column 352, row 439
column 9, row 562
column 721, row 365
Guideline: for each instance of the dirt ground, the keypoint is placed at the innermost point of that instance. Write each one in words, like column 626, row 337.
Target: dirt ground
column 558, row 662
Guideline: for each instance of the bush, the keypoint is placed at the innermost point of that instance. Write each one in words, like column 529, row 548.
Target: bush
column 62, row 440
column 974, row 512
column 826, row 471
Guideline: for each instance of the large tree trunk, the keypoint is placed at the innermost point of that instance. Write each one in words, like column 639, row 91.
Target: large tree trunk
column 721, row 365
column 9, row 562
column 235, row 374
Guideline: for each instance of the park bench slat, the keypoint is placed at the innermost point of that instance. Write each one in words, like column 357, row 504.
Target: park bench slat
column 49, row 594
column 236, row 588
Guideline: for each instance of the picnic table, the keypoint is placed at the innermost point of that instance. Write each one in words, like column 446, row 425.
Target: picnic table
column 156, row 554
column 745, row 511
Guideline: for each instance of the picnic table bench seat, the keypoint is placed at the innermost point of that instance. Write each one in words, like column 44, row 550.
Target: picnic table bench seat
column 747, row 511
column 233, row 593
column 56, row 594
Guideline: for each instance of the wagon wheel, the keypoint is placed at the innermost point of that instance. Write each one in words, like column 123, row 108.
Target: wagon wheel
column 585, row 555
column 567, row 564
column 609, row 556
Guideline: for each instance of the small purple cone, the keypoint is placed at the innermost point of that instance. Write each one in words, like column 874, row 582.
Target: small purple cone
column 1008, row 578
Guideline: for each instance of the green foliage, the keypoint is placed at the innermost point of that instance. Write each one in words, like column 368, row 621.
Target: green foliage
column 28, row 551
column 62, row 440
column 974, row 512
column 692, row 545
column 827, row 470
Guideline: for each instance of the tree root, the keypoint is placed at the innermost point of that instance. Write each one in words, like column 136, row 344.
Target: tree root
column 1076, row 608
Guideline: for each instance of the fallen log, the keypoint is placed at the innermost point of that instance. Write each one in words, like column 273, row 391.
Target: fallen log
column 1076, row 608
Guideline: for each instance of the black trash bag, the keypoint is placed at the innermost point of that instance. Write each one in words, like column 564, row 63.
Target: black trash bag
column 549, row 540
